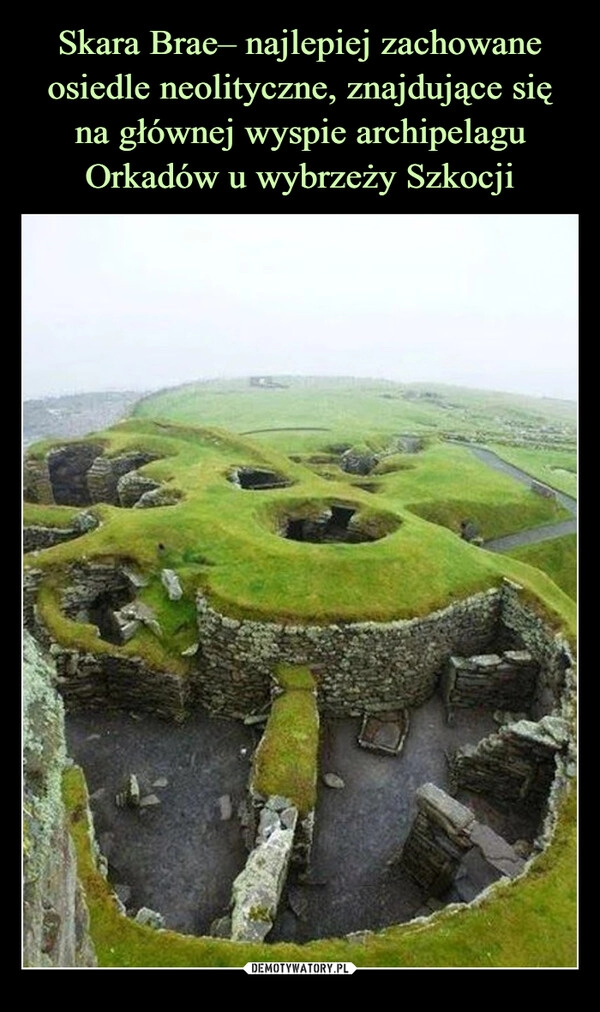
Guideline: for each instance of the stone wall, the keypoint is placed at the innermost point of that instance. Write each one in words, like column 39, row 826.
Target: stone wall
column 446, row 842
column 106, row 680
column 358, row 666
column 377, row 665
column 132, row 486
column 78, row 474
column 36, row 538
column 550, row 650
column 55, row 918
column 256, row 891
column 105, row 473
column 88, row 583
column 37, row 486
column 31, row 583
column 515, row 765
column 498, row 681
column 68, row 467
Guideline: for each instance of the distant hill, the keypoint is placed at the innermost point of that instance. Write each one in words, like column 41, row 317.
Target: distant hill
column 350, row 407
column 74, row 414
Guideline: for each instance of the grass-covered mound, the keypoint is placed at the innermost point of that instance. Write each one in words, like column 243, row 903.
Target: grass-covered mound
column 225, row 541
column 557, row 557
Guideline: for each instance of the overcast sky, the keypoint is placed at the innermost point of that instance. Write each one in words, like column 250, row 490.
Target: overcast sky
column 139, row 302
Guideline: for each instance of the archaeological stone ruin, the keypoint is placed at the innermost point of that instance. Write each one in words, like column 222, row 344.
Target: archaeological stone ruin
column 79, row 474
column 489, row 651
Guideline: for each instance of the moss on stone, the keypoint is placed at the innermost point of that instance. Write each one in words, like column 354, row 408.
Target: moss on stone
column 285, row 762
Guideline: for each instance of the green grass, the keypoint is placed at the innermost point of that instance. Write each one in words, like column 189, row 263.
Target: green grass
column 285, row 761
column 351, row 409
column 36, row 514
column 448, row 484
column 292, row 676
column 556, row 557
column 159, row 654
column 223, row 541
column 557, row 468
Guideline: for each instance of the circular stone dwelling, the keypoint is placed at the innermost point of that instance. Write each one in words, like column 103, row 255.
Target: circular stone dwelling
column 380, row 714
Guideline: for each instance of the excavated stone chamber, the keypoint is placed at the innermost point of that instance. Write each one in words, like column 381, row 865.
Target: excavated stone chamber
column 338, row 522
column 474, row 653
column 258, row 479
column 79, row 474
column 97, row 595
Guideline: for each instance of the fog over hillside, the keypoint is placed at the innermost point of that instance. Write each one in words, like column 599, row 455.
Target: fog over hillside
column 123, row 301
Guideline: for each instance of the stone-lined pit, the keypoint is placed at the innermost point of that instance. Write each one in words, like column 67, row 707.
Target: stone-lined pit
column 96, row 596
column 67, row 468
column 338, row 522
column 258, row 479
column 79, row 474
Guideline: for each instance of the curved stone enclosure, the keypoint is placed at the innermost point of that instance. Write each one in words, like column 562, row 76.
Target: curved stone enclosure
column 104, row 595
column 358, row 666
column 361, row 668
column 78, row 474
column 372, row 665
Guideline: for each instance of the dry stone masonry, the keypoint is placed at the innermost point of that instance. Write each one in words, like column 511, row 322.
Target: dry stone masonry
column 36, row 538
column 370, row 666
column 490, row 649
column 447, row 846
column 55, row 918
column 78, row 474
column 67, row 468
column 257, row 889
column 517, row 764
column 497, row 681
column 110, row 681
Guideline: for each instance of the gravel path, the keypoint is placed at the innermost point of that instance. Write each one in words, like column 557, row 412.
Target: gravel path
column 510, row 541
column 535, row 534
column 493, row 460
